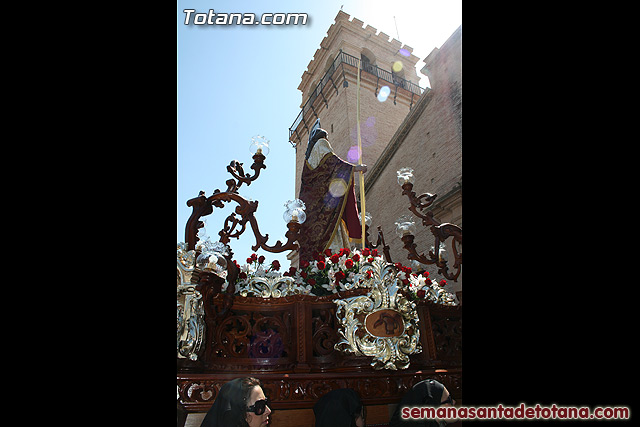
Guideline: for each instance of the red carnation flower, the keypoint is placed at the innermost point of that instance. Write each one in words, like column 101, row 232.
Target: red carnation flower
column 327, row 252
column 261, row 259
column 254, row 257
column 275, row 265
column 421, row 293
column 303, row 274
column 304, row 264
column 242, row 275
column 321, row 265
column 370, row 259
column 442, row 283
column 292, row 271
column 335, row 258
column 366, row 252
column 349, row 263
column 356, row 257
column 374, row 252
column 425, row 274
column 249, row 260
column 340, row 276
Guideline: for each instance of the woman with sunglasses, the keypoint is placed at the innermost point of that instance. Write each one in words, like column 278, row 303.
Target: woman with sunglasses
column 240, row 403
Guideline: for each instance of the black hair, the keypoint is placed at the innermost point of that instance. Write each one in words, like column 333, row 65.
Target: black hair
column 230, row 407
column 339, row 408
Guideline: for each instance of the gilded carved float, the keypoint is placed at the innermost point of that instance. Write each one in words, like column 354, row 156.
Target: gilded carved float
column 352, row 319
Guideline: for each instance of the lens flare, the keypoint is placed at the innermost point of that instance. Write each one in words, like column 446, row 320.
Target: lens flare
column 368, row 134
column 397, row 66
column 353, row 154
column 404, row 52
column 384, row 93
column 338, row 187
column 371, row 121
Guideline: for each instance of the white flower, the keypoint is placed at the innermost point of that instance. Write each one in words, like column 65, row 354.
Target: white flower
column 298, row 280
column 330, row 287
column 306, row 290
column 342, row 261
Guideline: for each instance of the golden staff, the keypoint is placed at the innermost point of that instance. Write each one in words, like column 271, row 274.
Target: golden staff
column 362, row 202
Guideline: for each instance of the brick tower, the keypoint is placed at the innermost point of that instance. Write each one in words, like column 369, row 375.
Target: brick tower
column 329, row 91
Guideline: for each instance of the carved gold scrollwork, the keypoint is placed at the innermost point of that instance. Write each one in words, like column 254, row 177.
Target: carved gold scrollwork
column 190, row 312
column 268, row 287
column 382, row 324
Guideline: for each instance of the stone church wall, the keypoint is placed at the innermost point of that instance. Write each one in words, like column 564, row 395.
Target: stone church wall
column 430, row 142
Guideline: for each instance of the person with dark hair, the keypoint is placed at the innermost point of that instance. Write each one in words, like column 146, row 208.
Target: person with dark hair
column 240, row 403
column 340, row 408
column 425, row 393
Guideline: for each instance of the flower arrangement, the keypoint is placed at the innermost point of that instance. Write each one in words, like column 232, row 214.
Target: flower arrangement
column 326, row 274
column 418, row 286
column 255, row 266
column 329, row 273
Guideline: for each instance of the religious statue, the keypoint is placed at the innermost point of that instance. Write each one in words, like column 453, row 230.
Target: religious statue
column 327, row 189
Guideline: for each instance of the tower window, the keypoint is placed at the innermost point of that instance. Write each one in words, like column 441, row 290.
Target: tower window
column 368, row 61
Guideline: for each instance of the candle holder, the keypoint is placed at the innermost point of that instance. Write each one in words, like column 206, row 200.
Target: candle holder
column 214, row 260
column 295, row 212
column 441, row 231
column 236, row 223
column 380, row 242
column 259, row 145
column 405, row 225
column 259, row 148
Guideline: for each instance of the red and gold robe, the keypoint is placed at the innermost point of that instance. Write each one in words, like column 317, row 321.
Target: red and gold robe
column 329, row 196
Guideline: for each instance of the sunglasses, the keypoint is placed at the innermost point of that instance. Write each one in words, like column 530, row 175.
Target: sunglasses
column 259, row 407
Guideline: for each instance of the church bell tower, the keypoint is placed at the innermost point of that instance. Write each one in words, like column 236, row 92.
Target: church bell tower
column 388, row 90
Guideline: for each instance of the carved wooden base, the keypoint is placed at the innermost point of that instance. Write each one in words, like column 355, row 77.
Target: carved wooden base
column 302, row 390
column 288, row 343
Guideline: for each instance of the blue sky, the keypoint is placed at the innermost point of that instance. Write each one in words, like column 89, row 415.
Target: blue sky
column 238, row 81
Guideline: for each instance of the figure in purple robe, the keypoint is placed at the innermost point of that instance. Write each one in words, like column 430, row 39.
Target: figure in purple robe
column 327, row 189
